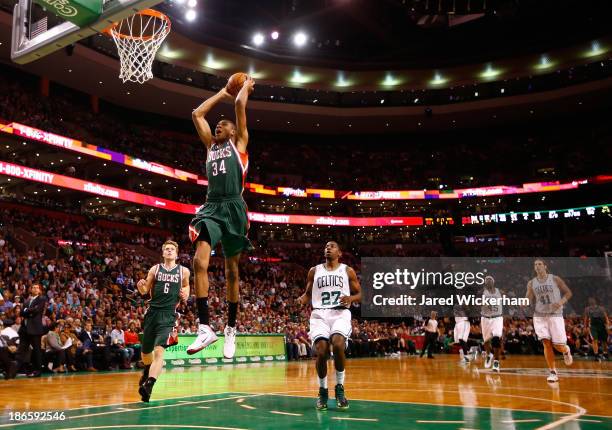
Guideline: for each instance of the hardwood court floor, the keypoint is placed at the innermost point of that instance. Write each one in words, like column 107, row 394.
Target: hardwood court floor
column 386, row 393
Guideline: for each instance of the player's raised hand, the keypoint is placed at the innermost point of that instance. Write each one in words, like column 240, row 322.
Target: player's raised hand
column 225, row 94
column 250, row 84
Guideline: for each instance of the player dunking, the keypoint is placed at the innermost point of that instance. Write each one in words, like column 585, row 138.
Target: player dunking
column 331, row 287
column 168, row 283
column 548, row 323
column 492, row 324
column 224, row 215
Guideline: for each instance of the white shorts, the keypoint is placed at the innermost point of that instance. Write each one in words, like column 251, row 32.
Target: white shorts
column 326, row 322
column 461, row 330
column 492, row 327
column 551, row 328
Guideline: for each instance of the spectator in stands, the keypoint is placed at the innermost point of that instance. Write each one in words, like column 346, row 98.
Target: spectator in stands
column 8, row 348
column 68, row 335
column 118, row 345
column 132, row 341
column 88, row 345
column 54, row 351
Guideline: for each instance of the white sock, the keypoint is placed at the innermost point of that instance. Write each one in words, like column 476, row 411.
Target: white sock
column 323, row 382
column 340, row 377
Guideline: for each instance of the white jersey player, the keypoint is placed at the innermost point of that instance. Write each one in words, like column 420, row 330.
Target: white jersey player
column 331, row 287
column 492, row 323
column 461, row 332
column 550, row 293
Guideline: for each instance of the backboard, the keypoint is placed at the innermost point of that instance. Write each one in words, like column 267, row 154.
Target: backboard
column 38, row 32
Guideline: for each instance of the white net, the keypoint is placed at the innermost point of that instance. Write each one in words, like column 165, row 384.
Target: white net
column 138, row 38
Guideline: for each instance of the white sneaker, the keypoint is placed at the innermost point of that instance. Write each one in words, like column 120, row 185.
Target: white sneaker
column 488, row 361
column 553, row 376
column 229, row 344
column 206, row 336
column 496, row 366
column 461, row 355
column 567, row 357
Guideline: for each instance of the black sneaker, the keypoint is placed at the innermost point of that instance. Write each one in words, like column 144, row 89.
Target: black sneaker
column 341, row 401
column 322, row 400
column 145, row 391
column 143, row 378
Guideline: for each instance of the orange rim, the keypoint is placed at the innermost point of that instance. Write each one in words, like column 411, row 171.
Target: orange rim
column 147, row 12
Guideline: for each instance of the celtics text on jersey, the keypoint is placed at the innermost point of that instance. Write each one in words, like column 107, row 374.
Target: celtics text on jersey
column 329, row 286
column 547, row 293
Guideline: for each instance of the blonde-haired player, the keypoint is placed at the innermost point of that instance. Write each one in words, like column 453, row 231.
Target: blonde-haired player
column 168, row 284
column 492, row 323
column 548, row 323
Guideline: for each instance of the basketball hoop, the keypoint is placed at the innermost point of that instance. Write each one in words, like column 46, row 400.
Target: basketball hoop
column 138, row 37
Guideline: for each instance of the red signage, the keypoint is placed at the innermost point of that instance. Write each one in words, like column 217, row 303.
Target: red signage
column 36, row 175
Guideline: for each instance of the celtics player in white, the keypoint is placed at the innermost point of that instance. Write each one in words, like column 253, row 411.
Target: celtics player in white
column 550, row 293
column 492, row 324
column 461, row 332
column 331, row 287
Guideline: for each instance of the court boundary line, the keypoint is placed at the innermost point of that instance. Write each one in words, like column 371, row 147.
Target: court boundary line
column 119, row 411
column 568, row 416
column 477, row 386
column 422, row 403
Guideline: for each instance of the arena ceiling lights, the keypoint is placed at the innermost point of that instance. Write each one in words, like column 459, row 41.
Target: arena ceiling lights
column 222, row 62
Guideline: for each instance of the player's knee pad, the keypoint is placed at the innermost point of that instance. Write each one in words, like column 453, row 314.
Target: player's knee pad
column 496, row 342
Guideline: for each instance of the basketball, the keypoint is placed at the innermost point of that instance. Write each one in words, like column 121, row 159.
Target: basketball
column 235, row 82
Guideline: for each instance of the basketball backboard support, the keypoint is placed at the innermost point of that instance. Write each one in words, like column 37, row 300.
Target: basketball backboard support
column 38, row 32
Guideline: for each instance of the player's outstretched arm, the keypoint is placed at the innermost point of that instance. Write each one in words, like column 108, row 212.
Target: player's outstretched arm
column 185, row 288
column 355, row 288
column 145, row 285
column 198, row 116
column 305, row 298
column 242, row 134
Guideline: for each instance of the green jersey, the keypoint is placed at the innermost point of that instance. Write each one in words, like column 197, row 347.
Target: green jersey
column 166, row 288
column 226, row 170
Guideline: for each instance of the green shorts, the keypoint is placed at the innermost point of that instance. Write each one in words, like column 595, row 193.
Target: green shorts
column 158, row 329
column 599, row 332
column 226, row 221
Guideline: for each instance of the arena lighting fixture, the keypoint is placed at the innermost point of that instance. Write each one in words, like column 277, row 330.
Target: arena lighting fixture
column 190, row 15
column 299, row 78
column 544, row 63
column 596, row 49
column 342, row 81
column 299, row 39
column 255, row 74
column 438, row 79
column 192, row 3
column 390, row 80
column 274, row 35
column 258, row 39
column 213, row 63
column 490, row 72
